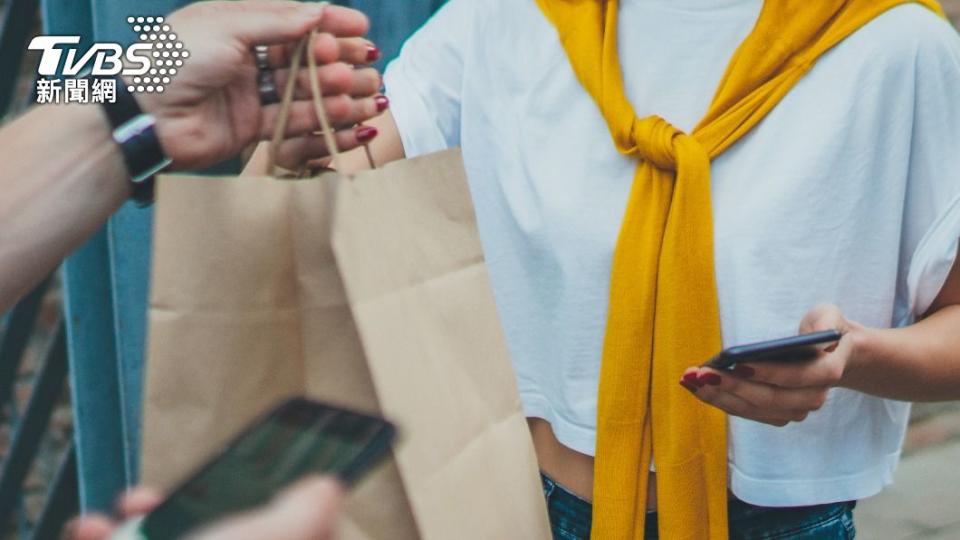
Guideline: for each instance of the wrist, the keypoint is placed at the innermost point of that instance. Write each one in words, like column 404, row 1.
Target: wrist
column 90, row 120
column 134, row 132
column 152, row 104
column 863, row 344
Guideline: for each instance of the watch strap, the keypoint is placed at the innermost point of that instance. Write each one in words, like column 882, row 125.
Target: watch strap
column 135, row 133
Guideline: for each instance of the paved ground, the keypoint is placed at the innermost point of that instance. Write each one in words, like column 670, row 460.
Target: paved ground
column 923, row 503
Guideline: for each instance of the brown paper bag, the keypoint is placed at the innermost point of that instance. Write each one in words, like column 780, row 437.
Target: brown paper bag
column 370, row 292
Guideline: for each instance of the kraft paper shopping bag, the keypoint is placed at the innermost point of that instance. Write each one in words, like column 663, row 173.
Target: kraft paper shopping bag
column 369, row 291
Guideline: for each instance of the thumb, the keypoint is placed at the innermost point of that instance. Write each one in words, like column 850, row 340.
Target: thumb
column 273, row 22
column 822, row 318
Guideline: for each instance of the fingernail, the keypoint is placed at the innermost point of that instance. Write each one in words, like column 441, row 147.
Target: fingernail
column 692, row 380
column 383, row 102
column 689, row 386
column 744, row 371
column 373, row 54
column 711, row 378
column 366, row 133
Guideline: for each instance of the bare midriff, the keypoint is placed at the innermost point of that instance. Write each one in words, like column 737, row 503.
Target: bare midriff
column 570, row 468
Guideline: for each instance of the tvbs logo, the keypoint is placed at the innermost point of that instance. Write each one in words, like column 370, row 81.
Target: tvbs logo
column 147, row 65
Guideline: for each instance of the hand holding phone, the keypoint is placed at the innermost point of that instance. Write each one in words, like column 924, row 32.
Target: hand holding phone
column 299, row 438
column 780, row 381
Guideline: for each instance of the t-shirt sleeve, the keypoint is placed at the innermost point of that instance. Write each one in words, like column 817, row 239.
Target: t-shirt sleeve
column 931, row 227
column 425, row 82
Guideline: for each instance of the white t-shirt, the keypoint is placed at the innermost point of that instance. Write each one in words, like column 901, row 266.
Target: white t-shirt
column 847, row 193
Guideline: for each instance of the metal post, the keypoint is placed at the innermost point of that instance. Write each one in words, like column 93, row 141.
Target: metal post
column 29, row 433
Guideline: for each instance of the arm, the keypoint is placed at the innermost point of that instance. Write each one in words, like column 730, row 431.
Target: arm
column 920, row 362
column 60, row 184
column 63, row 176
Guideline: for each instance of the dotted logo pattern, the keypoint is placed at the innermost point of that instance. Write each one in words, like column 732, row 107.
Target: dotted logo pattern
column 167, row 55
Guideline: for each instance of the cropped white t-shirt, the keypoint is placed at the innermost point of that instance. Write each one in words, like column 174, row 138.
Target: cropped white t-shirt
column 847, row 193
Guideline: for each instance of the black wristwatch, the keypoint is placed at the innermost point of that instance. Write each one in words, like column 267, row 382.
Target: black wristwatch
column 135, row 133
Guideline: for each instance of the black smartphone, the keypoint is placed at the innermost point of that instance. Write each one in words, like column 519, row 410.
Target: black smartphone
column 791, row 349
column 299, row 438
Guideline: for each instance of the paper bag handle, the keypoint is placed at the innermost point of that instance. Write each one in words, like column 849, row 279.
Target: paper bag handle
column 306, row 44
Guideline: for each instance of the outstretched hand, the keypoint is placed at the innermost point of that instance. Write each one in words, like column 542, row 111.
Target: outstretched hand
column 212, row 109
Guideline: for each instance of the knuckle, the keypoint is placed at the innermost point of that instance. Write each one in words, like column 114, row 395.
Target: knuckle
column 341, row 76
column 369, row 80
column 768, row 401
column 339, row 107
column 347, row 140
column 819, row 400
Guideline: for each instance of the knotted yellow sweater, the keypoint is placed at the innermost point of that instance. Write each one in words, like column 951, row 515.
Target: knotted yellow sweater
column 664, row 314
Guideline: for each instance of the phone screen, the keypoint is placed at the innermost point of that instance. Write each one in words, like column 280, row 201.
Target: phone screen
column 299, row 438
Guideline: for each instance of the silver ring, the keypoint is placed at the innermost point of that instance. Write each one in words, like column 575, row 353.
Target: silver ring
column 260, row 54
column 265, row 81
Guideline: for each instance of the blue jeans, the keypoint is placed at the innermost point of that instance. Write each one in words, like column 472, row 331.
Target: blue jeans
column 570, row 518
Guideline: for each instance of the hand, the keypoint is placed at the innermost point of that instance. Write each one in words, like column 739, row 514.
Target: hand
column 780, row 393
column 212, row 110
column 308, row 511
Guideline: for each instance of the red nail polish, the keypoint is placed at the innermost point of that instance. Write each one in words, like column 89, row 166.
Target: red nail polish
column 373, row 54
column 744, row 371
column 383, row 102
column 689, row 386
column 366, row 133
column 690, row 377
column 711, row 378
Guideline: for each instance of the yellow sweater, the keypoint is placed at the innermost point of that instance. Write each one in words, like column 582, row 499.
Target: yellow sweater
column 664, row 313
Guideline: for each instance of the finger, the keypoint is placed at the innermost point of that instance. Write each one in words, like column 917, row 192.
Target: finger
column 138, row 501
column 334, row 79
column 309, row 511
column 326, row 49
column 282, row 21
column 734, row 405
column 292, row 153
column 776, row 401
column 343, row 111
column 821, row 318
column 358, row 51
column 91, row 527
column 344, row 22
column 824, row 371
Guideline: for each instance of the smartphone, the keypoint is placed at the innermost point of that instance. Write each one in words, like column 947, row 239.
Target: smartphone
column 299, row 438
column 791, row 349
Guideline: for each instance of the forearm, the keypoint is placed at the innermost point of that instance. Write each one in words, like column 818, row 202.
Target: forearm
column 920, row 362
column 62, row 177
